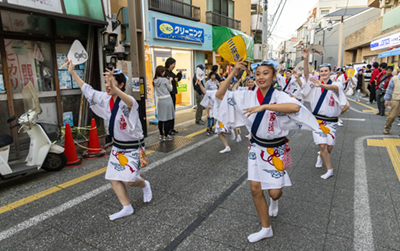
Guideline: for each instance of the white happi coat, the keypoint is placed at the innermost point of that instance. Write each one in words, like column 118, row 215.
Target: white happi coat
column 209, row 101
column 350, row 85
column 127, row 127
column 293, row 88
column 273, row 125
column 331, row 107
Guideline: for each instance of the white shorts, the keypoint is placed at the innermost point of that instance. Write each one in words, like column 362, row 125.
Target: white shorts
column 261, row 168
column 123, row 165
column 328, row 139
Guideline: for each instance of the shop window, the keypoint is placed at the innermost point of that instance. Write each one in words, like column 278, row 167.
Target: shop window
column 29, row 61
column 26, row 23
column 4, row 115
column 85, row 8
column 70, row 107
column 66, row 28
column 65, row 79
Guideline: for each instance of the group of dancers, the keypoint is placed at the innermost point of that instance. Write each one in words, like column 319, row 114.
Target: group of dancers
column 268, row 113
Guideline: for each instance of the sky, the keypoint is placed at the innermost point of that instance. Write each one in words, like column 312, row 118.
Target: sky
column 293, row 16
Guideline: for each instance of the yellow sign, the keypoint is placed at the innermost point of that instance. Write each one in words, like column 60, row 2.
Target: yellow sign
column 350, row 73
column 150, row 105
column 166, row 28
column 233, row 49
column 391, row 146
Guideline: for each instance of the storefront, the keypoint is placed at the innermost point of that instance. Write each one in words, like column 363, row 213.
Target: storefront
column 185, row 41
column 391, row 43
column 35, row 37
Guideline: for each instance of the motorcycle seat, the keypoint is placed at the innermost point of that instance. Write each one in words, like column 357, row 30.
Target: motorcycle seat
column 5, row 140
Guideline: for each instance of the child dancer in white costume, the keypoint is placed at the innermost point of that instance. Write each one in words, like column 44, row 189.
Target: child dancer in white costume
column 327, row 100
column 270, row 114
column 121, row 110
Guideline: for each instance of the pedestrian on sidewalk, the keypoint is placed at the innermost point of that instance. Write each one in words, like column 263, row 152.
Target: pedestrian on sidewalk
column 169, row 67
column 367, row 79
column 380, row 89
column 121, row 113
column 269, row 153
column 360, row 83
column 214, row 70
column 392, row 99
column 199, row 97
column 372, row 82
column 327, row 99
column 165, row 107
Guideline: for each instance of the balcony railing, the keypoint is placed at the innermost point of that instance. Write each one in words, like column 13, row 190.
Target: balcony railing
column 221, row 20
column 176, row 8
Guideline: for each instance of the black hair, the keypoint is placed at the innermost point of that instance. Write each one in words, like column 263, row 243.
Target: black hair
column 214, row 68
column 120, row 78
column 368, row 66
column 375, row 64
column 169, row 62
column 383, row 65
column 269, row 66
column 212, row 73
column 389, row 67
column 289, row 70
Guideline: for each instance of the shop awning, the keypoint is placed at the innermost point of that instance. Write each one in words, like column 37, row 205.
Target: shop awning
column 390, row 53
column 222, row 34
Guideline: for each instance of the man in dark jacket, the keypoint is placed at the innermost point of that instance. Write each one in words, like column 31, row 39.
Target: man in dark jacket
column 169, row 66
column 199, row 97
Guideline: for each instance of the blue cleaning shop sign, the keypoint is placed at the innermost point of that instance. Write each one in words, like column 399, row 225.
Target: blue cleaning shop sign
column 179, row 32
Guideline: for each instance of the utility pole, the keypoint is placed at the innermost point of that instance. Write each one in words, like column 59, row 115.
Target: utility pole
column 339, row 61
column 137, row 55
column 265, row 31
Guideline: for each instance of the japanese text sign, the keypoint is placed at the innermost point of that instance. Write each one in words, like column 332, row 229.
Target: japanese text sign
column 179, row 32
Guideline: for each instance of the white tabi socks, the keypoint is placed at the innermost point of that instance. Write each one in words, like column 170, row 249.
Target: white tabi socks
column 147, row 194
column 265, row 232
column 127, row 210
column 273, row 208
column 227, row 149
column 238, row 138
column 319, row 161
column 328, row 174
column 233, row 135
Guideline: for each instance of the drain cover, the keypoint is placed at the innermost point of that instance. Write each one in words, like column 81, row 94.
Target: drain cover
column 169, row 146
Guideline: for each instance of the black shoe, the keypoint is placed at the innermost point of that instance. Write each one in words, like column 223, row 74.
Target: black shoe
column 201, row 122
column 174, row 131
column 378, row 113
column 382, row 114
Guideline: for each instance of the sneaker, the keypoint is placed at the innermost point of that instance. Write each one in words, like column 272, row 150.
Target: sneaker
column 368, row 102
column 385, row 132
column 208, row 133
column 168, row 138
column 398, row 124
column 160, row 137
column 201, row 122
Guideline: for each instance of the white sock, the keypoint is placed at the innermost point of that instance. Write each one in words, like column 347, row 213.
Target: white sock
column 248, row 135
column 147, row 194
column 319, row 162
column 227, row 149
column 127, row 210
column 265, row 232
column 233, row 135
column 273, row 208
column 238, row 138
column 328, row 174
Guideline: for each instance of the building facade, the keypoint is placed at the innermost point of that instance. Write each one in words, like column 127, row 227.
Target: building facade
column 379, row 41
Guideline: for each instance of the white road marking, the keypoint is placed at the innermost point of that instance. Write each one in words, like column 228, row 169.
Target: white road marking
column 352, row 119
column 363, row 237
column 52, row 212
column 354, row 109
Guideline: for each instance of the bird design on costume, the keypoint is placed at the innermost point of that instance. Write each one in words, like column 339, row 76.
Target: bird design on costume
column 275, row 174
column 117, row 166
column 252, row 156
column 231, row 101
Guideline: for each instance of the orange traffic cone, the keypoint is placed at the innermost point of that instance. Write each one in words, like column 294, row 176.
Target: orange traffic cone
column 94, row 144
column 69, row 148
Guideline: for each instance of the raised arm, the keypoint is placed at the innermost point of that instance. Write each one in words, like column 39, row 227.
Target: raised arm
column 306, row 70
column 71, row 70
column 226, row 83
column 297, row 76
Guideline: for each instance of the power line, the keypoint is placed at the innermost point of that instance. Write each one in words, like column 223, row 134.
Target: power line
column 279, row 16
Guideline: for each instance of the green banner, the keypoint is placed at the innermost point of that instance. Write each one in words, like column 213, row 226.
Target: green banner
column 222, row 34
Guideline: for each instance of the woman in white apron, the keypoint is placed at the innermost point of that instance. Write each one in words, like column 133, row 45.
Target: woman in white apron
column 121, row 112
column 270, row 114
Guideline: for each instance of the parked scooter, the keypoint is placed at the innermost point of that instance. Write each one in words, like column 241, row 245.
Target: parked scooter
column 42, row 153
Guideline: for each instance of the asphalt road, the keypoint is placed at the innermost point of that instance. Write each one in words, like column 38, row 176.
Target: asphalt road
column 202, row 199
